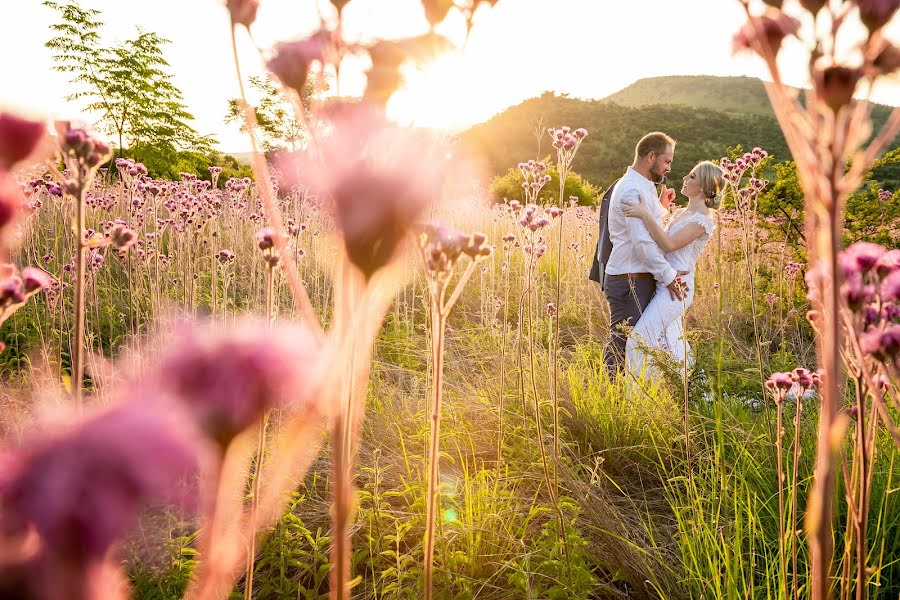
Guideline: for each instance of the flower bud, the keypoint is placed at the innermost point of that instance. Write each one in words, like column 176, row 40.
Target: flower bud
column 836, row 84
column 18, row 138
column 243, row 12
column 876, row 13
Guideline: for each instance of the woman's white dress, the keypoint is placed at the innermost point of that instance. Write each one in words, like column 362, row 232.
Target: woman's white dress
column 662, row 323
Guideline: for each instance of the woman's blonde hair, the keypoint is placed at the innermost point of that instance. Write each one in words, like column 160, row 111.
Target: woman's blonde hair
column 712, row 182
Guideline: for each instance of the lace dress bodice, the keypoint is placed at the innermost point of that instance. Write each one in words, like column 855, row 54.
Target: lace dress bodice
column 685, row 259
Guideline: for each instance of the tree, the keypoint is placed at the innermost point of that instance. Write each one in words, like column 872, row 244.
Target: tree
column 277, row 123
column 509, row 186
column 126, row 85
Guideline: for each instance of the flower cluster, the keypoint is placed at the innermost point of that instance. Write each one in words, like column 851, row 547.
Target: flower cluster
column 535, row 177
column 735, row 169
column 566, row 143
column 796, row 383
column 82, row 154
column 870, row 291
column 442, row 246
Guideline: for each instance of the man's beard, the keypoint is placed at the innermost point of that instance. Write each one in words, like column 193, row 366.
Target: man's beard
column 656, row 176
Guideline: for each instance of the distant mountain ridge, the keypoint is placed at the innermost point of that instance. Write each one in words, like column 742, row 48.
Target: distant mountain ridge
column 741, row 95
column 706, row 115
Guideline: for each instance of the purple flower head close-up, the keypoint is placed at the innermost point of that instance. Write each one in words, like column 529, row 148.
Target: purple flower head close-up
column 18, row 138
column 229, row 377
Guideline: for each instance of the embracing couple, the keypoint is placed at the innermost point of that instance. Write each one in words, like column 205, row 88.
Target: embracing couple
column 646, row 269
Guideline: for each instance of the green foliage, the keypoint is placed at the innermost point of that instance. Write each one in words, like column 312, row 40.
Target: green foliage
column 509, row 186
column 126, row 84
column 167, row 162
column 168, row 580
column 277, row 125
column 866, row 216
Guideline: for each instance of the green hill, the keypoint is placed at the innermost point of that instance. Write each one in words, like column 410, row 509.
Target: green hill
column 702, row 113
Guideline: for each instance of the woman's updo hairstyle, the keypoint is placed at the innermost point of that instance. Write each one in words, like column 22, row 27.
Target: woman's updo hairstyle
column 712, row 182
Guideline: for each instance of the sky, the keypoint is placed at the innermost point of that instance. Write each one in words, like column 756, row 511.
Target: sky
column 517, row 50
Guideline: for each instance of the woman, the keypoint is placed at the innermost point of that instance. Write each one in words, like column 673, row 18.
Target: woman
column 690, row 228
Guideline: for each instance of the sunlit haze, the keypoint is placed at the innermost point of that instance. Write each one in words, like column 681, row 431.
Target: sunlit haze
column 517, row 50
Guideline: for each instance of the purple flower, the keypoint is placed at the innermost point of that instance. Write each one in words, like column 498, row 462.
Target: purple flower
column 888, row 263
column 122, row 237
column 769, row 29
column 292, row 60
column 34, row 279
column 228, row 378
column 836, row 84
column 243, row 12
column 860, row 258
column 378, row 177
column 81, row 490
column 779, row 384
column 890, row 287
column 876, row 13
column 882, row 344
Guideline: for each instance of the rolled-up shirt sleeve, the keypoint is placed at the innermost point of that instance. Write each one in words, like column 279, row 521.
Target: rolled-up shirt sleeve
column 645, row 248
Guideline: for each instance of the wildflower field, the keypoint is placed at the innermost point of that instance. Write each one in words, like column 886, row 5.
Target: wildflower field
column 346, row 378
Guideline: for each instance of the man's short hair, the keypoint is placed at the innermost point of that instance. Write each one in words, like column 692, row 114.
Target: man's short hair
column 656, row 141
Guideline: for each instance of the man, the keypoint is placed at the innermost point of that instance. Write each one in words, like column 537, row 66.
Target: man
column 636, row 263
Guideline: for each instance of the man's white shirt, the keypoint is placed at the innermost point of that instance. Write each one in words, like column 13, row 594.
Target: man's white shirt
column 633, row 249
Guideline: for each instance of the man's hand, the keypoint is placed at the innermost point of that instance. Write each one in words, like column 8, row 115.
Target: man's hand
column 666, row 197
column 678, row 289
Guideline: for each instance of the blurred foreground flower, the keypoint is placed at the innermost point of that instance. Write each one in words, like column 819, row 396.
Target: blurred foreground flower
column 229, row 377
column 378, row 177
column 80, row 492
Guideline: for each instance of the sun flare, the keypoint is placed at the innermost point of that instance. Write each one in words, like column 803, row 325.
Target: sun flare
column 442, row 94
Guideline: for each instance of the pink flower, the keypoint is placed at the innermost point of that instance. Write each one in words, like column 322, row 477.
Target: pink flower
column 18, row 138
column 81, row 490
column 836, row 84
column 378, row 179
column 890, row 287
column 769, row 30
column 292, row 60
column 34, row 279
column 228, row 378
column 876, row 13
column 888, row 263
column 243, row 12
column 779, row 384
column 882, row 344
column 860, row 258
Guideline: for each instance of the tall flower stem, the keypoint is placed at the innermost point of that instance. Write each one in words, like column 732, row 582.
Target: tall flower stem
column 782, row 538
column 502, row 386
column 260, row 453
column 273, row 216
column 78, row 304
column 794, row 501
column 438, row 324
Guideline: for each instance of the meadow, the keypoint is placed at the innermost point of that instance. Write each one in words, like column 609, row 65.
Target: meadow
column 640, row 519
column 348, row 378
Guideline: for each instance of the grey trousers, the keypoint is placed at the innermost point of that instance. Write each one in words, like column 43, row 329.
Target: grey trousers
column 627, row 297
